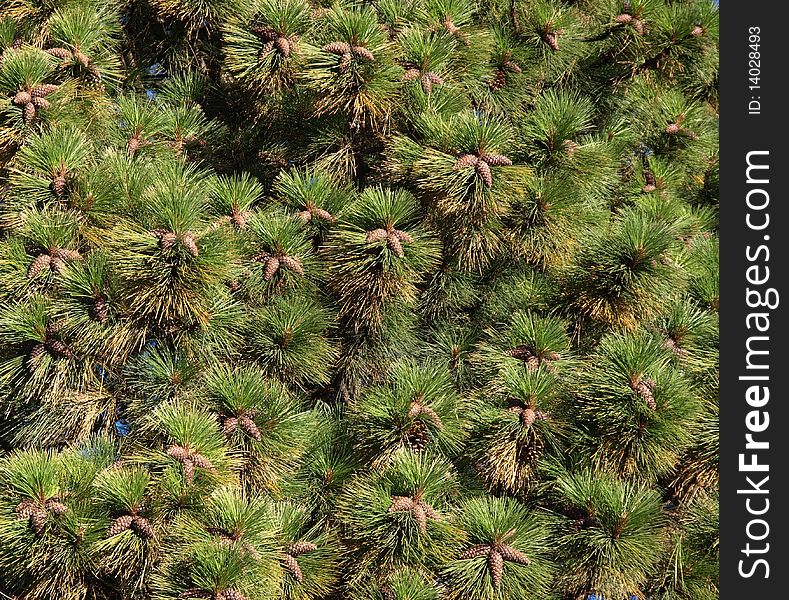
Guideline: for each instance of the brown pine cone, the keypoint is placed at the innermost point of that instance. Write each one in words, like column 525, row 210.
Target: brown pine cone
column 41, row 262
column 292, row 263
column 22, row 98
column 511, row 65
column 648, row 188
column 56, row 506
column 231, row 594
column 197, row 593
column 59, row 348
column 43, row 89
column 59, row 184
column 297, row 548
column 624, row 18
column 304, row 215
column 465, row 160
column 411, row 74
column 551, row 39
column 387, row 593
column 61, row 53
column 513, row 555
column 419, row 514
column 551, row 355
column 483, row 170
column 323, row 214
column 401, row 504
column 272, row 266
column 100, row 309
column 81, row 58
column 188, row 241
column 38, row 520
column 291, row 565
column 189, row 470
column 201, row 461
column 35, row 353
column 528, row 416
column 143, row 527
column 120, row 524
column 26, row 509
column 393, row 243
column 638, row 25
column 433, row 417
column 496, row 160
column 229, row 425
column 475, row 551
column 29, row 113
column 133, row 145
column 496, row 566
column 363, row 53
column 178, row 452
column 427, row 84
column 697, row 31
column 249, row 426
column 337, row 48
column 283, row 45
column 672, row 128
column 377, row 235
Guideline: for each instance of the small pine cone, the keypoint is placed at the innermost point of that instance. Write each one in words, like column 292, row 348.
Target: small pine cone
column 81, row 58
column 26, row 509
column 528, row 416
column 377, row 235
column 552, row 40
column 239, row 219
column 229, row 425
column 143, row 527
column 475, row 551
column 672, row 128
column 648, row 188
column 37, row 351
column 59, row 184
column 393, row 243
column 363, row 52
column 496, row 566
column 697, row 31
column 519, row 352
column 178, row 453
column 624, row 18
column 511, row 65
column 419, row 514
column 283, row 45
column 649, row 177
column 436, row 79
column 433, row 416
column 638, row 25
column 513, row 555
column 59, row 348
column 465, row 160
column 43, row 89
column 188, row 240
column 189, row 470
column 132, row 145
column 168, row 240
column 533, row 363
column 100, row 309
column 414, row 409
column 231, row 594
column 292, row 263
column 345, row 62
column 499, row 81
column 304, row 215
column 62, row 53
column 56, row 507
column 570, row 147
column 197, row 593
column 431, row 512
column 38, row 520
column 41, row 262
column 427, row 84
column 387, row 593
column 323, row 214
column 496, row 160
column 551, row 355
column 401, row 504
column 264, row 32
column 58, row 265
column 411, row 74
column 249, row 426
column 403, row 236
column 272, row 266
column 266, row 48
column 291, row 565
column 120, row 524
column 450, row 26
column 337, row 48
column 250, row 550
column 297, row 548
column 30, row 113
column 201, row 461
column 483, row 170
column 22, row 98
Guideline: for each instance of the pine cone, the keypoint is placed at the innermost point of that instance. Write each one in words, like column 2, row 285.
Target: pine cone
column 337, row 48
column 513, row 555
column 291, row 565
column 178, row 453
column 133, row 145
column 483, row 170
column 393, row 243
column 697, row 31
column 638, row 25
column 272, row 266
column 188, row 240
column 100, row 309
column 143, row 527
column 81, row 58
column 401, row 504
column 120, row 524
column 264, row 32
column 59, row 184
column 43, row 89
column 323, row 214
column 61, row 53
column 496, row 566
column 292, row 263
column 345, row 62
column 528, row 416
column 201, row 461
column 59, row 348
column 420, row 516
column 38, row 520
column 56, row 507
column 229, row 425
column 304, row 215
column 551, row 39
column 551, row 355
column 29, row 113
column 37, row 351
column 511, row 65
column 249, row 426
column 283, row 45
column 648, row 188
column 363, row 53
column 297, row 548
column 624, row 18
column 427, row 84
column 411, row 74
column 22, row 98
column 41, row 262
column 433, row 416
column 377, row 235
column 570, row 147
column 499, row 80
column 189, row 470
column 231, row 594
column 197, row 593
column 475, row 551
column 387, row 593
column 672, row 128
column 26, row 509
column 496, row 160
column 465, row 160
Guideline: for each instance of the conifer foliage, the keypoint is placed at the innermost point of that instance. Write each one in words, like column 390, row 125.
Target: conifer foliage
column 348, row 299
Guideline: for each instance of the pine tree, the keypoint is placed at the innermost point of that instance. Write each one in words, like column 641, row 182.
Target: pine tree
column 309, row 300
